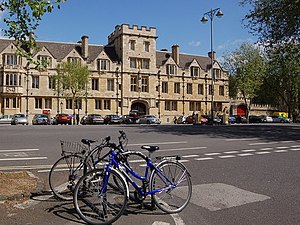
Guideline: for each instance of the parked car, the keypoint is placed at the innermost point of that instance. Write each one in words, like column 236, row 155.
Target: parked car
column 92, row 119
column 127, row 119
column 63, row 119
column 255, row 119
column 19, row 119
column 181, row 119
column 6, row 119
column 149, row 119
column 112, row 119
column 280, row 119
column 41, row 119
column 134, row 115
column 231, row 119
column 204, row 119
column 266, row 119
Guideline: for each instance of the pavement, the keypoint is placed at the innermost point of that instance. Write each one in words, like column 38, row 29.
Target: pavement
column 18, row 185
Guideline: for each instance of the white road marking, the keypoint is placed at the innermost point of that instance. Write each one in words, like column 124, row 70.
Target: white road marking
column 180, row 149
column 286, row 141
column 159, row 143
column 241, row 139
column 282, row 147
column 18, row 159
column 248, row 150
column 262, row 153
column 264, row 143
column 213, row 153
column 295, row 146
column 231, row 152
column 279, row 151
column 160, row 223
column 184, row 160
column 295, row 149
column 226, row 156
column 205, row 158
column 189, row 156
column 245, row 154
column 266, row 149
column 219, row 196
column 20, row 150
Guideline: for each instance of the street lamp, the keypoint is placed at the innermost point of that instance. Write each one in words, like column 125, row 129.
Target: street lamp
column 213, row 12
column 61, row 107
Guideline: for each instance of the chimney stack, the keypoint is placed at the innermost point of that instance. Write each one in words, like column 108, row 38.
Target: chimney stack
column 212, row 55
column 175, row 53
column 85, row 46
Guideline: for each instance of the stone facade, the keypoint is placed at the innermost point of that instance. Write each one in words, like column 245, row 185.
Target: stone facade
column 127, row 73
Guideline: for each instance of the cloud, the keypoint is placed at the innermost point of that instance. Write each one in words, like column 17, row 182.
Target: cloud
column 233, row 44
column 195, row 43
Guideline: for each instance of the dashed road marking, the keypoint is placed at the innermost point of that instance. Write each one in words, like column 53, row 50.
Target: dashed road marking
column 245, row 154
column 264, row 143
column 282, row 147
column 213, row 153
column 226, row 156
column 262, row 153
column 204, row 158
column 231, row 152
column 279, row 151
column 248, row 150
column 190, row 156
column 20, row 150
column 18, row 159
column 266, row 149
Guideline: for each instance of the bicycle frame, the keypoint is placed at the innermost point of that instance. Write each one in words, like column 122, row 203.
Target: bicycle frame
column 126, row 170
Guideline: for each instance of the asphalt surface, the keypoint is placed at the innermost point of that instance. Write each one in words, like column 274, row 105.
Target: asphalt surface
column 242, row 174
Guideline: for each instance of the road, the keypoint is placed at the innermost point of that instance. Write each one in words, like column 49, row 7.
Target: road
column 242, row 174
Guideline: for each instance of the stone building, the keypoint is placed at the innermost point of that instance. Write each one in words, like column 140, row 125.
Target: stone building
column 128, row 73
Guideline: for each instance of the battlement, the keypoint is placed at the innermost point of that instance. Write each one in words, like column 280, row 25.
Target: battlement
column 133, row 30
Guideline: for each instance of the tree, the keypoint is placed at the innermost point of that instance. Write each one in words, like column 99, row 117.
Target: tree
column 283, row 76
column 72, row 79
column 246, row 66
column 22, row 18
column 274, row 21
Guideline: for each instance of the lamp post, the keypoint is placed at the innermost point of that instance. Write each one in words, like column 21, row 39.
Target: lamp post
column 213, row 12
column 61, row 107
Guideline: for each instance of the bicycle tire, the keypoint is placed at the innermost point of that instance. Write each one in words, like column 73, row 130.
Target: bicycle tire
column 98, row 209
column 64, row 175
column 176, row 199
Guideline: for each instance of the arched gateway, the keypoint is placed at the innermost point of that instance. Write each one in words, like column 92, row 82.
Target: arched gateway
column 139, row 106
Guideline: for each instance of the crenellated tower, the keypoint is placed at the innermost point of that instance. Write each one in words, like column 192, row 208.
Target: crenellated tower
column 135, row 46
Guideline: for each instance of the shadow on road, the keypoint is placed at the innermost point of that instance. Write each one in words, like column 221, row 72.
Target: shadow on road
column 268, row 132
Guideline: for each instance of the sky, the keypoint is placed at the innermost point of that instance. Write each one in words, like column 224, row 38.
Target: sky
column 176, row 22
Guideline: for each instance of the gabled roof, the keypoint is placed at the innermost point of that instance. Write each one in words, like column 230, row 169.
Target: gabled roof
column 59, row 50
column 4, row 43
column 184, row 59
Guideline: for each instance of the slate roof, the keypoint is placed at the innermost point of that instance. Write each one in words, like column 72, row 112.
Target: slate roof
column 184, row 59
column 60, row 50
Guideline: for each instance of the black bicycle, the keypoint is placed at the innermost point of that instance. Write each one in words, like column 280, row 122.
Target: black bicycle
column 76, row 160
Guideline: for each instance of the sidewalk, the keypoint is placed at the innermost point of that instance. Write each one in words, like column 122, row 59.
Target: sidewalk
column 17, row 185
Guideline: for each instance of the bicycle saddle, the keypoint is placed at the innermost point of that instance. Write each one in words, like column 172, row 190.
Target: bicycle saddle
column 150, row 148
column 87, row 141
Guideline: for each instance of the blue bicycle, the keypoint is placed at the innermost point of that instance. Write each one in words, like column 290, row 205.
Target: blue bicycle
column 101, row 195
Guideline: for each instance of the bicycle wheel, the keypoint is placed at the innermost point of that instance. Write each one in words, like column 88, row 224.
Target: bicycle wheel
column 99, row 208
column 64, row 175
column 175, row 199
